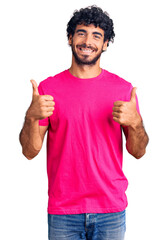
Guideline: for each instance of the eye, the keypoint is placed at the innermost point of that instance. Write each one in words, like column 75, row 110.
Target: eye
column 97, row 36
column 80, row 34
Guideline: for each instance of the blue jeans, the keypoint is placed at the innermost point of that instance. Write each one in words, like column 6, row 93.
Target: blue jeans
column 88, row 226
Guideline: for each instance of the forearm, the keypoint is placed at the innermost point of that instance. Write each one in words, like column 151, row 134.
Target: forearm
column 30, row 138
column 137, row 140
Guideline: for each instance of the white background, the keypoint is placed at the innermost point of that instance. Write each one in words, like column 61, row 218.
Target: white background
column 34, row 45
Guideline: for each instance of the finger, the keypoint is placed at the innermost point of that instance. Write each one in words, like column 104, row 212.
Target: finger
column 117, row 109
column 133, row 94
column 48, row 114
column 116, row 115
column 116, row 119
column 47, row 97
column 35, row 87
column 118, row 103
column 49, row 103
column 50, row 109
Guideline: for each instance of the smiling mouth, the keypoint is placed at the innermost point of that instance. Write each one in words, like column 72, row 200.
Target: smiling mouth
column 86, row 50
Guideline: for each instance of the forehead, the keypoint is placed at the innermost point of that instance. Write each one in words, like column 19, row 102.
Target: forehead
column 90, row 28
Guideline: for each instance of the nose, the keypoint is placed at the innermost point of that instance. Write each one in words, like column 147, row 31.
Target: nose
column 88, row 40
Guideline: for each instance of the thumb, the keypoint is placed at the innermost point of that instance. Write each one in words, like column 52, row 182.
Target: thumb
column 35, row 87
column 133, row 94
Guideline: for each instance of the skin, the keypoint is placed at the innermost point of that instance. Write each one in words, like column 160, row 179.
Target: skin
column 125, row 113
column 87, row 43
column 32, row 135
column 96, row 42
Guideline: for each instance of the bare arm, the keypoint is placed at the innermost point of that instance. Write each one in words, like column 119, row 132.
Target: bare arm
column 31, row 138
column 32, row 135
column 125, row 113
column 136, row 140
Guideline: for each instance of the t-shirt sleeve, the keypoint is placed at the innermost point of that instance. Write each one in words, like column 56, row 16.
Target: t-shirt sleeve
column 45, row 121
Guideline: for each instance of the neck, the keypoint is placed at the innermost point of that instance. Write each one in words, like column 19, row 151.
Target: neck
column 85, row 71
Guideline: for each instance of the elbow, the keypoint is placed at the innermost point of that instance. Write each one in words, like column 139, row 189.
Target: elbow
column 139, row 155
column 141, row 152
column 29, row 158
column 28, row 155
column 136, row 153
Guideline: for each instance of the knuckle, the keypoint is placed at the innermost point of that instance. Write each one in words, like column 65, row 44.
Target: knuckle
column 123, row 105
column 119, row 117
column 41, row 108
column 43, row 112
column 51, row 104
column 44, row 115
column 122, row 109
column 42, row 104
column 40, row 98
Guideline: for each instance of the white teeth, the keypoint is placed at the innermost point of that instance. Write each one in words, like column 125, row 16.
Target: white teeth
column 85, row 50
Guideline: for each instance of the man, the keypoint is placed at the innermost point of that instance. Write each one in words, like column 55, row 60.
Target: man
column 84, row 109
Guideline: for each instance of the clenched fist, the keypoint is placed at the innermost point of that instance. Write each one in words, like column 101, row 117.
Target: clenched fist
column 125, row 113
column 42, row 106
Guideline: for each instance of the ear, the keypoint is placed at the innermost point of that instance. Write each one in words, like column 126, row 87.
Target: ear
column 105, row 45
column 70, row 40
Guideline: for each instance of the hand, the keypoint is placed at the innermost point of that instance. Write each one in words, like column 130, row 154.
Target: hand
column 42, row 106
column 125, row 113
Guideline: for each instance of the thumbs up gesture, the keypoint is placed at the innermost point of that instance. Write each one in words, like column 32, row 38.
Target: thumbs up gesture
column 42, row 106
column 125, row 113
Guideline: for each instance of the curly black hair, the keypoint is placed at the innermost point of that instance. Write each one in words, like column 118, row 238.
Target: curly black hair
column 92, row 15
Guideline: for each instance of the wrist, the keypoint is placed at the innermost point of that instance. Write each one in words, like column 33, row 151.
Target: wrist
column 137, row 123
column 29, row 118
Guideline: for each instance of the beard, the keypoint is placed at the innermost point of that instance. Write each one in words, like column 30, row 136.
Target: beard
column 84, row 60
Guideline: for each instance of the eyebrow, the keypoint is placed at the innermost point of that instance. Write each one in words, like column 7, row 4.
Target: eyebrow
column 82, row 30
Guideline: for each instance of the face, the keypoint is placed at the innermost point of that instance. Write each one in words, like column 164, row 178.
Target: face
column 87, row 44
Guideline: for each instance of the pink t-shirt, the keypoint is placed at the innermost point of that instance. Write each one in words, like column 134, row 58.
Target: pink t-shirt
column 84, row 144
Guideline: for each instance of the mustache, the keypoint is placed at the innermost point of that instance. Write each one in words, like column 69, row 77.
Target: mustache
column 85, row 46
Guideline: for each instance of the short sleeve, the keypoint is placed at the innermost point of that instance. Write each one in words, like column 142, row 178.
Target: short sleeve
column 45, row 121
